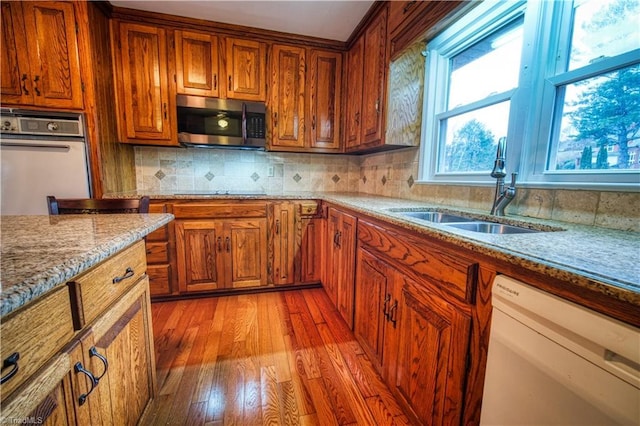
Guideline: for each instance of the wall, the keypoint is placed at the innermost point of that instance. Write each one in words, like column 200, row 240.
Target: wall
column 189, row 169
column 393, row 174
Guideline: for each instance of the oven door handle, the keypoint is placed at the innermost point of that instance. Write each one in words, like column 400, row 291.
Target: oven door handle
column 35, row 145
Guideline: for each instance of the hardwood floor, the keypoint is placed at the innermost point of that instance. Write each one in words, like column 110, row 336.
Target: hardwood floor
column 263, row 359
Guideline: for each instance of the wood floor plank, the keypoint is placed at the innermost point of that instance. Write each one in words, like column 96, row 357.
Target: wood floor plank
column 264, row 359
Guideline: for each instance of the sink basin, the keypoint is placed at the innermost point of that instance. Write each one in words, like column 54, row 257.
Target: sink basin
column 492, row 228
column 437, row 217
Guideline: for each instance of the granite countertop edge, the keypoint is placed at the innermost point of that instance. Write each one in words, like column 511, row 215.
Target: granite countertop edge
column 379, row 207
column 19, row 294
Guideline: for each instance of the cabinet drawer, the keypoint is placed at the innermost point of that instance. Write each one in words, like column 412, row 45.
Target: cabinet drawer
column 159, row 279
column 95, row 290
column 443, row 268
column 157, row 252
column 308, row 208
column 220, row 210
column 35, row 332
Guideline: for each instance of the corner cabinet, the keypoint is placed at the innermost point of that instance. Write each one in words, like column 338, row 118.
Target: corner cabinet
column 144, row 94
column 40, row 58
column 85, row 357
column 365, row 120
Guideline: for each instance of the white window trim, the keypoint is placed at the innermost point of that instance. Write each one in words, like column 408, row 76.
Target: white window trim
column 537, row 86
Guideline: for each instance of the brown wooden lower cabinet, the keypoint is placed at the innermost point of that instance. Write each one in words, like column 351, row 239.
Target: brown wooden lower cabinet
column 217, row 254
column 104, row 373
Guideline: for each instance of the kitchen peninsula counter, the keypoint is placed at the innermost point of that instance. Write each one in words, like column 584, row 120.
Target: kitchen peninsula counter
column 42, row 252
column 594, row 258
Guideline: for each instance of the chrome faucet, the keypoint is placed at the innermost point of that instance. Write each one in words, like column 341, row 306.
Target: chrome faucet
column 502, row 197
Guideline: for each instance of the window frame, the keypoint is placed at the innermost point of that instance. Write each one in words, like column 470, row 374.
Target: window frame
column 530, row 128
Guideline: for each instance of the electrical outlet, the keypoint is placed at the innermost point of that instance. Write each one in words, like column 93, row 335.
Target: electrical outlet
column 271, row 171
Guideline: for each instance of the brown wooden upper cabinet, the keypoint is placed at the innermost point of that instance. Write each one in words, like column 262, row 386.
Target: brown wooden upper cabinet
column 197, row 71
column 304, row 99
column 287, row 97
column 40, row 63
column 325, row 83
column 144, row 96
column 246, row 69
column 367, row 118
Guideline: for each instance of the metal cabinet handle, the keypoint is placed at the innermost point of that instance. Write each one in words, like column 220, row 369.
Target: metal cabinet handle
column 408, row 6
column 357, row 118
column 215, row 81
column 35, row 86
column 387, row 299
column 313, row 122
column 378, row 105
column 277, row 227
column 94, row 352
column 339, row 238
column 227, row 242
column 10, row 361
column 128, row 273
column 164, row 109
column 275, row 119
column 229, row 83
column 24, row 84
column 219, row 241
column 393, row 312
column 78, row 368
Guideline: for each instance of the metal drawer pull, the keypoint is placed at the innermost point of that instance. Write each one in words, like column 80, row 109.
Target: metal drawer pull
column 35, row 86
column 11, row 360
column 78, row 368
column 24, row 84
column 219, row 244
column 94, row 352
column 387, row 299
column 277, row 227
column 227, row 242
column 127, row 274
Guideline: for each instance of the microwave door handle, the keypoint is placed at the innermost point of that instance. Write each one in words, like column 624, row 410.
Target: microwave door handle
column 244, row 123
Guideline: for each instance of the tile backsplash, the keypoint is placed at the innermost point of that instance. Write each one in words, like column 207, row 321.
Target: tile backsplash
column 391, row 174
column 193, row 169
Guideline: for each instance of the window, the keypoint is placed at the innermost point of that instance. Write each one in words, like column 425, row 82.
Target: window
column 559, row 80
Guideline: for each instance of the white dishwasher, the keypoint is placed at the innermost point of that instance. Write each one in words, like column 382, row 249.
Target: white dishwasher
column 552, row 362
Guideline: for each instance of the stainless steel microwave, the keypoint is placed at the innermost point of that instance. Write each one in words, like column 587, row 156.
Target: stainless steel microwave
column 212, row 122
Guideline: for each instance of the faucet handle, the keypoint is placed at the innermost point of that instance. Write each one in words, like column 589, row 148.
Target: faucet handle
column 514, row 176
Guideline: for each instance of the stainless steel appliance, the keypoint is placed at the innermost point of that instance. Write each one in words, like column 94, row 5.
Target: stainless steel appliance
column 212, row 122
column 42, row 153
column 552, row 362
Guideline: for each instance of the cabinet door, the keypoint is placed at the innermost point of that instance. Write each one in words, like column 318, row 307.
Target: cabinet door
column 311, row 234
column 374, row 80
column 246, row 69
column 144, row 86
column 284, row 243
column 325, row 88
column 246, row 247
column 346, row 267
column 15, row 87
column 287, row 99
column 197, row 63
column 199, row 248
column 436, row 333
column 126, row 364
column 372, row 303
column 355, row 62
column 53, row 54
column 330, row 282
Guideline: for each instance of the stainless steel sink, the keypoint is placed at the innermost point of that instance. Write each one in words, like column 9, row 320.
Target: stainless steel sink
column 492, row 228
column 437, row 217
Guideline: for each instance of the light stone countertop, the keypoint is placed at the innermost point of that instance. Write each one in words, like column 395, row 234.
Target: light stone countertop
column 42, row 252
column 600, row 259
